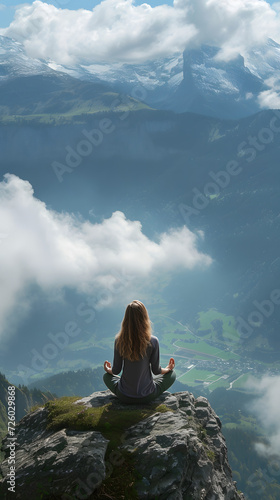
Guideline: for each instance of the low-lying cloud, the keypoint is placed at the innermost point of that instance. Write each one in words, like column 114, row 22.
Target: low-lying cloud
column 266, row 407
column 55, row 250
column 270, row 98
column 119, row 31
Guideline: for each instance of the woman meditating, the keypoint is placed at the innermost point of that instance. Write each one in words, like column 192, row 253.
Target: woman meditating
column 136, row 353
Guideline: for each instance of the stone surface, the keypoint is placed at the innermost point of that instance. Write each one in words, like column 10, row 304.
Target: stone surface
column 179, row 454
column 67, row 456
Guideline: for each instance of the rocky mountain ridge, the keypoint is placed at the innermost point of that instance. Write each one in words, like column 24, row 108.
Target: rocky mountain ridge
column 14, row 62
column 177, row 451
column 196, row 80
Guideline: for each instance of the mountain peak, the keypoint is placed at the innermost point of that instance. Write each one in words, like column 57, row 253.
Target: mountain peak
column 14, row 62
column 171, row 448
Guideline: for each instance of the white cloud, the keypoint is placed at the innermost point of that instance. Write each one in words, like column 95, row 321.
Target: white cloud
column 114, row 30
column 266, row 406
column 234, row 25
column 55, row 250
column 270, row 98
column 118, row 30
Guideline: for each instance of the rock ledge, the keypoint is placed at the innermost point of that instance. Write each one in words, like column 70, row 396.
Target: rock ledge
column 180, row 454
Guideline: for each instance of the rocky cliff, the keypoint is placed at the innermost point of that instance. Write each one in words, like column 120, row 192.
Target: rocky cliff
column 97, row 447
column 25, row 399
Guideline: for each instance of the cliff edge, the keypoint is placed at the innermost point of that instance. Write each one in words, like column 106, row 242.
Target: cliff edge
column 97, row 447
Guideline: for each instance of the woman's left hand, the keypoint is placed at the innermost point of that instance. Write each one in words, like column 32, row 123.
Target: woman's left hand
column 108, row 367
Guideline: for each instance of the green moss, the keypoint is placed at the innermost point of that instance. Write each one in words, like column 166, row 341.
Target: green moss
column 120, row 484
column 35, row 407
column 211, row 455
column 112, row 423
column 63, row 413
column 202, row 434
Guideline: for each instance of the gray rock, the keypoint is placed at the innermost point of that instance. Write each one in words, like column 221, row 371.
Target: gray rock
column 179, row 454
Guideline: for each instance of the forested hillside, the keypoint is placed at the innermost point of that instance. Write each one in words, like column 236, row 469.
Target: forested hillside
column 24, row 400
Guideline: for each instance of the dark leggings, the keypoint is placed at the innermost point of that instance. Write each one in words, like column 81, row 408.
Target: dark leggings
column 162, row 384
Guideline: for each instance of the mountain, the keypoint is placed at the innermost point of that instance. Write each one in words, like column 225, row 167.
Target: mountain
column 196, row 81
column 25, row 399
column 218, row 88
column 14, row 62
column 97, row 447
column 153, row 82
column 29, row 87
column 265, row 62
column 72, row 383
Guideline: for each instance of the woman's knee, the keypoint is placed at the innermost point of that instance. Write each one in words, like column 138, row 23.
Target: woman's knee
column 169, row 379
column 107, row 378
column 171, row 376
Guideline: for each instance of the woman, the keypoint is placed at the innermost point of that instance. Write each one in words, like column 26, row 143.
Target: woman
column 136, row 353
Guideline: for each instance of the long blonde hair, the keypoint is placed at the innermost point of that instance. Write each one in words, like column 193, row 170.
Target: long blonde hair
column 135, row 333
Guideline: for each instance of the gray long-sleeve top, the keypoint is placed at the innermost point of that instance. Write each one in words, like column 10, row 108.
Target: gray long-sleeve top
column 136, row 380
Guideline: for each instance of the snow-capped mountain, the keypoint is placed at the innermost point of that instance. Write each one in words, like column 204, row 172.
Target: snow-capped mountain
column 218, row 88
column 196, row 81
column 157, row 78
column 30, row 87
column 265, row 63
column 14, row 62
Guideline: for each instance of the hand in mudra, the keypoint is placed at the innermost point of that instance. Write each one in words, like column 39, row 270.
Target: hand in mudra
column 171, row 364
column 108, row 367
column 169, row 367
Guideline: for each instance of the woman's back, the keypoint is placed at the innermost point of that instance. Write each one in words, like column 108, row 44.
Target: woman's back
column 136, row 380
column 136, row 354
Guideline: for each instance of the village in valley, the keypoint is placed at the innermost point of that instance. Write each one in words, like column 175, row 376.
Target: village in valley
column 211, row 355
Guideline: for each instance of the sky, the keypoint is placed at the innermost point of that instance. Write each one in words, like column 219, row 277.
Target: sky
column 127, row 31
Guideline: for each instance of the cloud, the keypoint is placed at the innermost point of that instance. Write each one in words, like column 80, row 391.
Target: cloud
column 270, row 98
column 56, row 250
column 115, row 30
column 119, row 31
column 266, row 406
column 236, row 26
